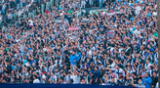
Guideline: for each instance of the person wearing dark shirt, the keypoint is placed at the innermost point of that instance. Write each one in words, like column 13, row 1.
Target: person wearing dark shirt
column 154, row 79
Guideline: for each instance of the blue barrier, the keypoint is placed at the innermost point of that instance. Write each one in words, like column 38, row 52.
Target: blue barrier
column 59, row 86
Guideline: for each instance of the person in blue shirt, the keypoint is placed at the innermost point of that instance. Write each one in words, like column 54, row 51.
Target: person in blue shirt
column 101, row 3
column 147, row 81
column 74, row 58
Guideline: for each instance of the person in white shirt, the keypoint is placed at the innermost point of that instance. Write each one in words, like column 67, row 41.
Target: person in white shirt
column 83, row 3
column 36, row 81
column 75, row 77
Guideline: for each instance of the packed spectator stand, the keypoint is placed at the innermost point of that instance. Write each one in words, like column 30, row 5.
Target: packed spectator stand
column 107, row 42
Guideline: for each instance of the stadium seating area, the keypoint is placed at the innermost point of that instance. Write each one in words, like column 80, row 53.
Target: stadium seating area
column 107, row 42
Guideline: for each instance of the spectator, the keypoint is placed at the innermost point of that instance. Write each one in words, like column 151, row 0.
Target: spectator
column 154, row 79
column 114, row 45
column 147, row 81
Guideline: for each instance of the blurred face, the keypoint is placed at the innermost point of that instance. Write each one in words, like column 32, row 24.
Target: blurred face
column 146, row 75
column 142, row 47
column 154, row 74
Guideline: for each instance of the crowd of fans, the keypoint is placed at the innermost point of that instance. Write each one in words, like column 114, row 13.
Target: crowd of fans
column 63, row 47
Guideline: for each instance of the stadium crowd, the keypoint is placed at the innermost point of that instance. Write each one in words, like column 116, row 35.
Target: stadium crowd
column 63, row 47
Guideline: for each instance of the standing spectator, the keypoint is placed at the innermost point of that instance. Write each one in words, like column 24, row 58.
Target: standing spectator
column 83, row 3
column 154, row 80
column 147, row 81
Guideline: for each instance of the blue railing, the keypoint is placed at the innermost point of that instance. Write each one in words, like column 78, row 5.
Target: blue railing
column 59, row 86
